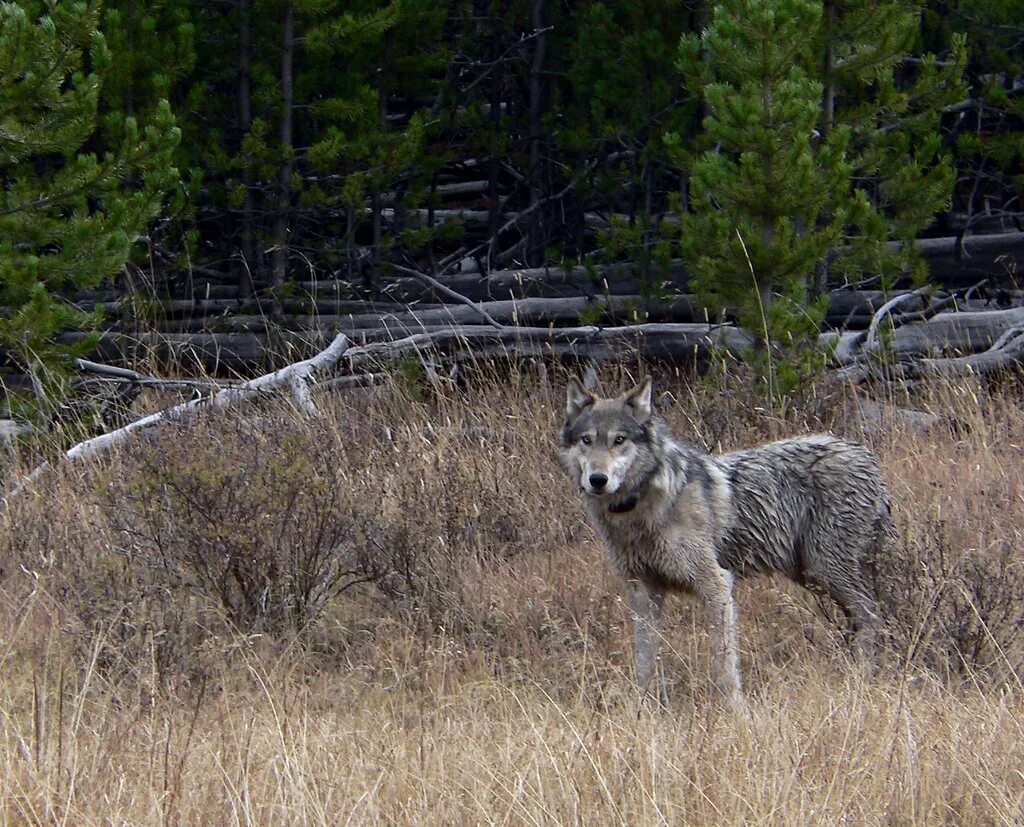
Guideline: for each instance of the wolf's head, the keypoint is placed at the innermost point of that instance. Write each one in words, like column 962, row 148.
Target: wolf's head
column 606, row 444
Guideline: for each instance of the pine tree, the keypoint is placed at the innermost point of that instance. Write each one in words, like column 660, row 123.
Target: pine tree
column 295, row 133
column 154, row 43
column 623, row 108
column 71, row 203
column 989, row 125
column 890, row 94
column 154, row 46
column 818, row 138
column 753, row 235
column 387, row 53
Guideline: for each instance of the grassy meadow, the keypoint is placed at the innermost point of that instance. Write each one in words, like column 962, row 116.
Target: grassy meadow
column 395, row 613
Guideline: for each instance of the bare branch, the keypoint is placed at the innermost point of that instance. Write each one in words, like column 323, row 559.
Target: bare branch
column 304, row 371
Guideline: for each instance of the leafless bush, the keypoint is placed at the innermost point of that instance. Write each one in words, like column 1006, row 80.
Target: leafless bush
column 263, row 520
column 259, row 522
column 956, row 611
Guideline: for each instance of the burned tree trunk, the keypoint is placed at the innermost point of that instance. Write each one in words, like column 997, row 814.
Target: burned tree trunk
column 281, row 216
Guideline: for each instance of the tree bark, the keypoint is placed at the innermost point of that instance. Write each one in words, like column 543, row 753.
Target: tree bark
column 250, row 263
column 494, row 217
column 376, row 196
column 281, row 217
column 535, row 244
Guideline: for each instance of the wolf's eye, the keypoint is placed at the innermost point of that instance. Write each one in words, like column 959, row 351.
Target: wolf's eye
column 586, row 440
column 619, row 439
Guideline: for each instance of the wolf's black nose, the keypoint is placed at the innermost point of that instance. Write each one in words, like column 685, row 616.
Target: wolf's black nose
column 598, row 481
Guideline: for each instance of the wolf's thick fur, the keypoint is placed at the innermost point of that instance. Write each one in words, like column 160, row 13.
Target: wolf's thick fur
column 674, row 518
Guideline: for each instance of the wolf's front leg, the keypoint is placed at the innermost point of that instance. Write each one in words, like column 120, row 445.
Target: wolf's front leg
column 646, row 603
column 714, row 586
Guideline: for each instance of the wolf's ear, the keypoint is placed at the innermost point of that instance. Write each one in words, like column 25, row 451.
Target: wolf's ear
column 639, row 399
column 577, row 397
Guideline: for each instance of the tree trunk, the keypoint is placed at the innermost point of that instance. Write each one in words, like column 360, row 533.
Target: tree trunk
column 281, row 223
column 250, row 264
column 535, row 245
column 828, row 111
column 494, row 219
column 376, row 202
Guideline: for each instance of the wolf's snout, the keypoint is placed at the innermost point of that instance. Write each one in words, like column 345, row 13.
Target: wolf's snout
column 598, row 481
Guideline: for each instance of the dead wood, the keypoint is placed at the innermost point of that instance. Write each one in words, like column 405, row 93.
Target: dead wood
column 296, row 376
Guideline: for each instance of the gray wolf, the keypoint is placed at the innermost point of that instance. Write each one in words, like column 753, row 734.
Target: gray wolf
column 674, row 518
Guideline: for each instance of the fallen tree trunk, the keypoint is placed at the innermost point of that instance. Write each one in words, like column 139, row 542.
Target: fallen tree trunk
column 296, row 377
column 672, row 342
column 675, row 342
column 1006, row 353
column 249, row 341
column 850, row 309
column 540, row 282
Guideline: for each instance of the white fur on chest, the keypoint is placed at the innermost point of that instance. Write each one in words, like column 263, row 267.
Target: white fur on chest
column 667, row 537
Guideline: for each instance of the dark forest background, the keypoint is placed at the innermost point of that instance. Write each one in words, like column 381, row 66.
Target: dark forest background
column 239, row 155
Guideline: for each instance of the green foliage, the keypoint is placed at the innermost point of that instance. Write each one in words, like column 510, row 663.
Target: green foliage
column 621, row 95
column 989, row 145
column 781, row 131
column 349, row 60
column 77, row 189
column 814, row 142
column 754, row 234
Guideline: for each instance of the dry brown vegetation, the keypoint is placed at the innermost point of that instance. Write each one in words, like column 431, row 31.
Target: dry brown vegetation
column 396, row 614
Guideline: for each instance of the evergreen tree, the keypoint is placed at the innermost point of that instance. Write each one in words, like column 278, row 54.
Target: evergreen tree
column 890, row 96
column 989, row 125
column 753, row 235
column 817, row 138
column 154, row 45
column 621, row 108
column 298, row 135
column 388, row 54
column 71, row 202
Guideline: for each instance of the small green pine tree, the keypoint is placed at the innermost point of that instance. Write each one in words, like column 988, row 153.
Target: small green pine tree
column 72, row 203
column 753, row 234
column 815, row 140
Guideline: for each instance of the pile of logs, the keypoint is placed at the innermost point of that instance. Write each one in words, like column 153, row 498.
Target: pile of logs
column 208, row 324
column 544, row 313
column 598, row 312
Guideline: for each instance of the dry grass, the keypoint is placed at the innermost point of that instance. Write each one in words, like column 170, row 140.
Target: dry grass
column 460, row 655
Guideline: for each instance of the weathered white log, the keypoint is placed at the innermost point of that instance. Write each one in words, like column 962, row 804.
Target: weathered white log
column 675, row 342
column 1004, row 353
column 115, row 374
column 887, row 309
column 302, row 394
column 966, row 332
column 294, row 376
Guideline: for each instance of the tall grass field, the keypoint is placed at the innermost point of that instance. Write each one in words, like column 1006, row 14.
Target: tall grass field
column 395, row 613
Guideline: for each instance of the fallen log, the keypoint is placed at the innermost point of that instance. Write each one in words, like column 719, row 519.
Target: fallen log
column 1006, row 353
column 297, row 377
column 674, row 342
column 668, row 342
column 550, row 282
column 958, row 261
column 526, row 312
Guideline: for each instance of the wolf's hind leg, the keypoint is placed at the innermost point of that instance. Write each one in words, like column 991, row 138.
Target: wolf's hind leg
column 865, row 625
column 646, row 602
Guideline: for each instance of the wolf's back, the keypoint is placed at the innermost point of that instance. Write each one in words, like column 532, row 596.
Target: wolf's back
column 809, row 507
